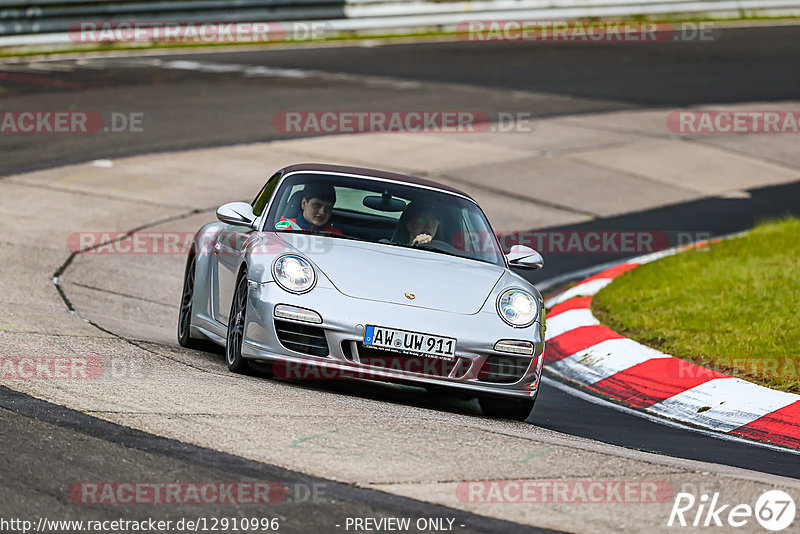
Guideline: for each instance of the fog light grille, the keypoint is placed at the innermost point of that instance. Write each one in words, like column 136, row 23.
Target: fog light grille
column 302, row 338
column 504, row 369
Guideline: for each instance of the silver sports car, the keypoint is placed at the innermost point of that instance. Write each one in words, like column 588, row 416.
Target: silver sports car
column 340, row 272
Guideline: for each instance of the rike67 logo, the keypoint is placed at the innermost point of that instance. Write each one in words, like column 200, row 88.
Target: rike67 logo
column 774, row 510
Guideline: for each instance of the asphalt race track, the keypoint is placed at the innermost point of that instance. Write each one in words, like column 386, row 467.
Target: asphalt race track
column 189, row 101
column 187, row 108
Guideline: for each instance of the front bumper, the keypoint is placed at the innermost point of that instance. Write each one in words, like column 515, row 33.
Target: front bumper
column 477, row 367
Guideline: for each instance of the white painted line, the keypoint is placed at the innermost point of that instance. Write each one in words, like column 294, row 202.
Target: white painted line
column 586, row 289
column 727, row 403
column 52, row 66
column 653, row 256
column 545, row 285
column 569, row 320
column 605, row 359
column 661, row 420
column 262, row 71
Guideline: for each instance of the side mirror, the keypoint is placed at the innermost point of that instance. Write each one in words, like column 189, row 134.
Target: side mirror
column 524, row 257
column 238, row 213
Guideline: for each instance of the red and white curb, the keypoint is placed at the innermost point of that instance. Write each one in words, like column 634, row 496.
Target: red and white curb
column 578, row 348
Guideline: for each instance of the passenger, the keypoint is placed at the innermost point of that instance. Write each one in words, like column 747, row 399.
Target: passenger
column 315, row 210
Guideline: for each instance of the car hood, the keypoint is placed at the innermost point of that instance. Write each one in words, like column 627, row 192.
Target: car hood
column 387, row 273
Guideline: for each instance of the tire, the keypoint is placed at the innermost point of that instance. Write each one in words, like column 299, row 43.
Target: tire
column 185, row 338
column 233, row 343
column 506, row 408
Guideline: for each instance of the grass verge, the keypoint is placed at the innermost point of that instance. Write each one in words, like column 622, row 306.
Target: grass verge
column 733, row 306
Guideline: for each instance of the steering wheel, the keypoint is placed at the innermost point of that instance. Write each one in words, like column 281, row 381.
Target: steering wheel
column 438, row 244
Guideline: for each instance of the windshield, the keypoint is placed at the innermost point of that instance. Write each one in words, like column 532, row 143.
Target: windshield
column 387, row 213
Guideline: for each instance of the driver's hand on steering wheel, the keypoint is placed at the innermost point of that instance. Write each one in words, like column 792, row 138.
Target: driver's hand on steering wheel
column 421, row 239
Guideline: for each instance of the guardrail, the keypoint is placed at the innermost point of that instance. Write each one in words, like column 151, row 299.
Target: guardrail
column 40, row 17
column 49, row 16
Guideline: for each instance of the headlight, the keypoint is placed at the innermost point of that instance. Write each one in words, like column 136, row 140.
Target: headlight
column 517, row 307
column 294, row 274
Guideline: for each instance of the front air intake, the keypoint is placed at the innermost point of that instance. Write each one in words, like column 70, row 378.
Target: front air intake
column 404, row 363
column 504, row 369
column 302, row 338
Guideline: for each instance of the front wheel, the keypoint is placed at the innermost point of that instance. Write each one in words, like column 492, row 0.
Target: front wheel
column 233, row 346
column 185, row 338
column 506, row 408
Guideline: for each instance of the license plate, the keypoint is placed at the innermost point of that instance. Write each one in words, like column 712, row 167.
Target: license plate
column 414, row 343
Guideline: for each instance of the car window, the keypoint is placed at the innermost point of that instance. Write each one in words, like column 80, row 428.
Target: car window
column 351, row 199
column 468, row 230
column 262, row 199
column 383, row 212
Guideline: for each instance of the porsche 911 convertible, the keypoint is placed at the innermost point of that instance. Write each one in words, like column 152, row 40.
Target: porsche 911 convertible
column 343, row 272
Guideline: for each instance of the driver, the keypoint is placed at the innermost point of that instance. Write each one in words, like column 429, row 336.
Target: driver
column 422, row 223
column 315, row 209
